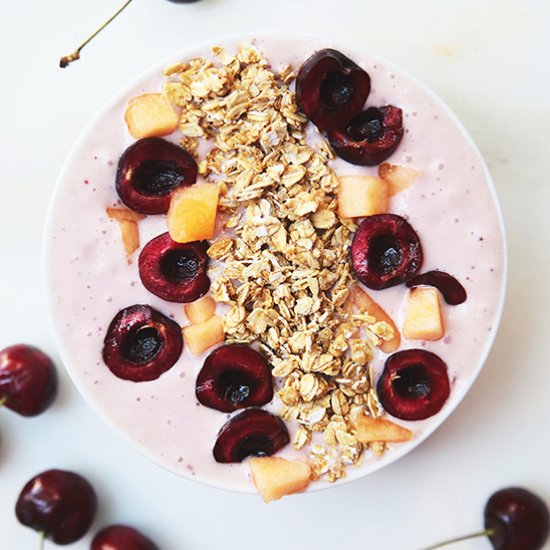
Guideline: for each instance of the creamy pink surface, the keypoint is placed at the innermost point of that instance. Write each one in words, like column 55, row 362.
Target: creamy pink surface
column 452, row 207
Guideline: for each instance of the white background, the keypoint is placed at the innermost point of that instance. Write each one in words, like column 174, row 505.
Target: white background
column 489, row 61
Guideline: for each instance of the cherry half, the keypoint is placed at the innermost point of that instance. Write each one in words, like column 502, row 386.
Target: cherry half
column 331, row 88
column 515, row 519
column 141, row 343
column 173, row 271
column 414, row 384
column 234, row 377
column 28, row 380
column 385, row 251
column 59, row 504
column 122, row 537
column 254, row 432
column 451, row 289
column 370, row 137
column 149, row 170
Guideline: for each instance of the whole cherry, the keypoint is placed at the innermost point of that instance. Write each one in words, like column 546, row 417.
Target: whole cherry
column 122, row 537
column 515, row 519
column 61, row 505
column 28, row 379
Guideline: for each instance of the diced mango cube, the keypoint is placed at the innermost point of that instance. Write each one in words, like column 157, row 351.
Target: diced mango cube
column 360, row 196
column 424, row 319
column 192, row 213
column 200, row 310
column 364, row 302
column 150, row 115
column 276, row 477
column 368, row 429
column 201, row 336
column 397, row 177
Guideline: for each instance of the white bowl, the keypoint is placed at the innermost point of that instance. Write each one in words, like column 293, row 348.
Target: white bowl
column 89, row 281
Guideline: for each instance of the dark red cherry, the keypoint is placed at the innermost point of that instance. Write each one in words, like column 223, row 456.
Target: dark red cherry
column 141, row 343
column 414, row 384
column 517, row 519
column 385, row 251
column 254, row 432
column 453, row 292
column 60, row 504
column 173, row 271
column 28, row 380
column 330, row 89
column 370, row 137
column 122, row 537
column 234, row 377
column 149, row 170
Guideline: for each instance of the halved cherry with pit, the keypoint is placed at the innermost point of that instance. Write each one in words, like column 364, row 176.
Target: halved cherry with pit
column 234, row 377
column 385, row 251
column 149, row 170
column 141, row 344
column 253, row 432
column 414, row 384
column 370, row 137
column 331, row 88
column 175, row 272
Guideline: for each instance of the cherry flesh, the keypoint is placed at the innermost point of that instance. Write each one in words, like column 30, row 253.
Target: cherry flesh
column 254, row 432
column 122, row 537
column 173, row 271
column 58, row 503
column 371, row 136
column 149, row 170
column 234, row 377
column 141, row 344
column 517, row 519
column 28, row 379
column 330, row 89
column 451, row 289
column 414, row 384
column 385, row 251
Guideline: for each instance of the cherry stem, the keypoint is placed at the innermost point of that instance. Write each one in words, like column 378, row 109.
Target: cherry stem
column 42, row 539
column 66, row 60
column 486, row 533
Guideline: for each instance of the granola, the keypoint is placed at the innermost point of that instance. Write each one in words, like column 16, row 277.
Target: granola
column 282, row 264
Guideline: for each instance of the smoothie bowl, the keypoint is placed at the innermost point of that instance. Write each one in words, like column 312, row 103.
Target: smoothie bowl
column 275, row 263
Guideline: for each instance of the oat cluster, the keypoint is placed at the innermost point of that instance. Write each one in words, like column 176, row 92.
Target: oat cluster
column 282, row 263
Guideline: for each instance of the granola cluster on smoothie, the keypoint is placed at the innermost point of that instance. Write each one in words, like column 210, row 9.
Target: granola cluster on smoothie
column 285, row 246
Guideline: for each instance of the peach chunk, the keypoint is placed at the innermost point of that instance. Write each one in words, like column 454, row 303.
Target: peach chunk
column 397, row 177
column 276, row 477
column 368, row 429
column 363, row 301
column 201, row 336
column 150, row 115
column 192, row 213
column 127, row 221
column 424, row 320
column 200, row 310
column 360, row 196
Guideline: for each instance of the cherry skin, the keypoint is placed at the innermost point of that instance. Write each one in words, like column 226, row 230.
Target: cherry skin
column 451, row 289
column 175, row 272
column 28, row 380
column 58, row 503
column 122, row 537
column 517, row 519
column 141, row 343
column 234, row 377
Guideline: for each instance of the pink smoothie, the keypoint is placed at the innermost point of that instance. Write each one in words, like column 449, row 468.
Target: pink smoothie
column 452, row 206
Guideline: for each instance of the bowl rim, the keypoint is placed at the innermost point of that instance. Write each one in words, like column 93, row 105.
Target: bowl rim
column 189, row 52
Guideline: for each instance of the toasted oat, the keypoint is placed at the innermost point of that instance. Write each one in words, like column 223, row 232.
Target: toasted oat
column 285, row 274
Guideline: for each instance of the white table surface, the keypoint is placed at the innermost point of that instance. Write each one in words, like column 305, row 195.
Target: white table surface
column 489, row 60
